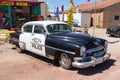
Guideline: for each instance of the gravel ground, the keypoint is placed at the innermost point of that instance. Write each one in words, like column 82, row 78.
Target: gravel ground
column 28, row 66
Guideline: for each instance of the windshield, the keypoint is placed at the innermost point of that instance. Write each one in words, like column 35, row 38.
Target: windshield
column 58, row 28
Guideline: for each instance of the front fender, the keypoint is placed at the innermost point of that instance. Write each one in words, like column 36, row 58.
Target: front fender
column 54, row 45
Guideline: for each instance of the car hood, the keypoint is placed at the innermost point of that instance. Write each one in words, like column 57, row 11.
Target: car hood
column 76, row 38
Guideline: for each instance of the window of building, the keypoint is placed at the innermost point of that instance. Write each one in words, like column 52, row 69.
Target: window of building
column 116, row 17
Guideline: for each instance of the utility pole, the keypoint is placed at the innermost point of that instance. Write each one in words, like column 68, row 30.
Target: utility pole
column 94, row 18
column 62, row 7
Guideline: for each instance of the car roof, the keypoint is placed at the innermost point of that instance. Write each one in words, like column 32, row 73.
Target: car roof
column 47, row 22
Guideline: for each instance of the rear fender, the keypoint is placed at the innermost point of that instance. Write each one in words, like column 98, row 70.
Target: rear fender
column 22, row 45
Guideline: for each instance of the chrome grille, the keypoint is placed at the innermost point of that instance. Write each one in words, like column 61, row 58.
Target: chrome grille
column 96, row 52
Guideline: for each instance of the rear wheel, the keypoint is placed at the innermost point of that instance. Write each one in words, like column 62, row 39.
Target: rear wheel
column 19, row 49
column 118, row 34
column 65, row 61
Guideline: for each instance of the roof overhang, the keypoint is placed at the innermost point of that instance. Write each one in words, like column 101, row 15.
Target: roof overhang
column 18, row 3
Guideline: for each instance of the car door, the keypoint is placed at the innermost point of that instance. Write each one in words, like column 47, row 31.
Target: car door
column 25, row 36
column 38, row 40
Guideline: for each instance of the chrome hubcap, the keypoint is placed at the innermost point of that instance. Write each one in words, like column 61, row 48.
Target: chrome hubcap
column 64, row 59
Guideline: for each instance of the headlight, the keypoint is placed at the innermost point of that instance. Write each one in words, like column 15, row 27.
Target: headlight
column 106, row 44
column 82, row 50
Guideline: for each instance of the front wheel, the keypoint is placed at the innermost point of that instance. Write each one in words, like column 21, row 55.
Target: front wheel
column 65, row 61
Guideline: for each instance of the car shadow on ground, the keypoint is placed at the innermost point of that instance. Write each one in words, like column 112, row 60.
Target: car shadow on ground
column 85, row 71
column 113, row 36
column 97, row 69
column 49, row 61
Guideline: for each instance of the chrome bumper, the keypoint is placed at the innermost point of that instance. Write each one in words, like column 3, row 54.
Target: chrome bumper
column 93, row 62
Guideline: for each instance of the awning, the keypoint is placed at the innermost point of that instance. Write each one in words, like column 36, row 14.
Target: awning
column 18, row 3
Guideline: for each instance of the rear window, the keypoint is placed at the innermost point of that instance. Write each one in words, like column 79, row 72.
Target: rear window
column 28, row 28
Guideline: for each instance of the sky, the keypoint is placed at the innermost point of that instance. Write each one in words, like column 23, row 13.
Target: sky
column 52, row 4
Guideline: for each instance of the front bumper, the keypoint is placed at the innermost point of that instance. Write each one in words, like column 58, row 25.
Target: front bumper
column 94, row 61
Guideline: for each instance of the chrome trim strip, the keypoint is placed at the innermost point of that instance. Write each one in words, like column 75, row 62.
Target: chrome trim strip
column 21, row 42
column 60, row 50
column 94, row 49
column 70, row 52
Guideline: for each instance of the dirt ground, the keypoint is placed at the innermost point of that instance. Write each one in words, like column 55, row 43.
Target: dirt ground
column 28, row 66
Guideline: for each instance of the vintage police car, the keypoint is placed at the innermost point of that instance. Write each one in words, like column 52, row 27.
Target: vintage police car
column 56, row 40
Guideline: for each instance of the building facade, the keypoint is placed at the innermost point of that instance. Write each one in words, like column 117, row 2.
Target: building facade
column 106, row 17
column 111, row 15
column 103, row 14
column 20, row 11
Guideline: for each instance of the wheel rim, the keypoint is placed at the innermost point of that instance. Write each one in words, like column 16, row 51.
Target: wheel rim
column 65, row 59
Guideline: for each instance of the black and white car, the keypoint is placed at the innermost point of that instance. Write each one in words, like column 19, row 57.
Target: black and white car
column 56, row 40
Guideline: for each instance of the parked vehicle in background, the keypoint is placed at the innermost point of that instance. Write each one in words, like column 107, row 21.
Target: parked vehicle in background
column 113, row 31
column 76, row 24
column 4, row 34
column 55, row 40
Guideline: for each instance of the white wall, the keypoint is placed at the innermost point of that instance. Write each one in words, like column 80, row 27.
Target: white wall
column 82, row 18
column 44, row 10
column 65, row 17
column 85, row 19
column 77, row 17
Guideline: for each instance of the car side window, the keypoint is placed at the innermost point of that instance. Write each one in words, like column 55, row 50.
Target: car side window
column 38, row 29
column 28, row 28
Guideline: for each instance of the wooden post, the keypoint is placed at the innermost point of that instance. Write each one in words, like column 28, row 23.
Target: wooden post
column 62, row 12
